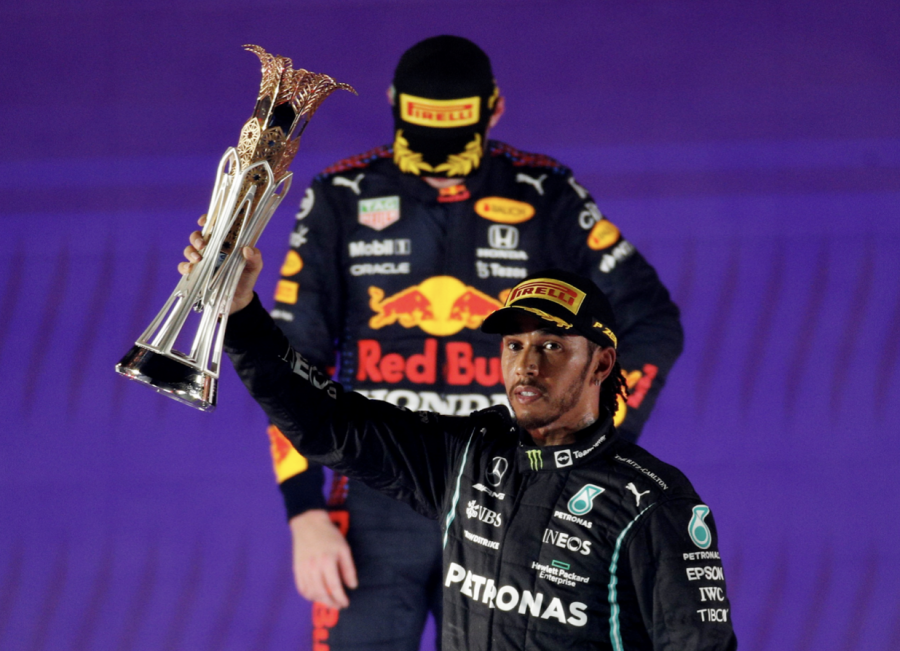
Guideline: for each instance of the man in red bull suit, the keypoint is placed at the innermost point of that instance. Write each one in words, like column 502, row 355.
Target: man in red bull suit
column 397, row 256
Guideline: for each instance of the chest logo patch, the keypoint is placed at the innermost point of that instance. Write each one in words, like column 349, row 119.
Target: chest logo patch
column 504, row 211
column 379, row 213
column 698, row 529
column 497, row 470
column 440, row 305
column 583, row 501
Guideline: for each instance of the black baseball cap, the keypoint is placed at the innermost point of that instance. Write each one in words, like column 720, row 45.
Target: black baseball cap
column 568, row 302
column 444, row 94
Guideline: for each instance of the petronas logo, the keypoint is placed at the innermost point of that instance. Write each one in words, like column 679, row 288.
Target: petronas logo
column 698, row 529
column 583, row 500
column 535, row 460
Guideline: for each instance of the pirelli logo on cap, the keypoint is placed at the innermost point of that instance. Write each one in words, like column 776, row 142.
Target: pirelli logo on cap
column 609, row 333
column 548, row 289
column 440, row 113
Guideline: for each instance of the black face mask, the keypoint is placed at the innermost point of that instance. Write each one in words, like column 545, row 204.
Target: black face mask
column 426, row 147
column 444, row 94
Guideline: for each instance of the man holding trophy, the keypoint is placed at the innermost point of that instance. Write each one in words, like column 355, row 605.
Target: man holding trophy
column 397, row 257
column 582, row 541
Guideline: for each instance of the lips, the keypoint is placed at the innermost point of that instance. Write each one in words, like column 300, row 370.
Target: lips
column 528, row 393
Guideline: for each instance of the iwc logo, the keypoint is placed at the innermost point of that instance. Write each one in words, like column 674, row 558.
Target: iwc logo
column 698, row 529
column 583, row 501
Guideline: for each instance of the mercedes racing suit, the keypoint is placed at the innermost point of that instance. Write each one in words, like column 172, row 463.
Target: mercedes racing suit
column 593, row 545
column 389, row 280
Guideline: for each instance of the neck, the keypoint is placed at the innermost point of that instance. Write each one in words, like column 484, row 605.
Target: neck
column 560, row 434
column 438, row 182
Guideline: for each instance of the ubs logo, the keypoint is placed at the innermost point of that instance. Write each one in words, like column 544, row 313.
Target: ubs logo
column 503, row 237
column 498, row 469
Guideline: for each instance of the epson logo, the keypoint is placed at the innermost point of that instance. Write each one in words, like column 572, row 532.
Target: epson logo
column 565, row 541
column 503, row 237
column 379, row 248
column 705, row 572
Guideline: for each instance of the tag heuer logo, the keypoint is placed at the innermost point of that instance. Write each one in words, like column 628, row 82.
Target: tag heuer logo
column 379, row 213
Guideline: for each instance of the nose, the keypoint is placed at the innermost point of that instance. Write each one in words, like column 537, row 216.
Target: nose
column 527, row 364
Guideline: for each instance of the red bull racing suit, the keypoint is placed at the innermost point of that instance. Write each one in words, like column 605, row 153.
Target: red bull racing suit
column 593, row 545
column 388, row 280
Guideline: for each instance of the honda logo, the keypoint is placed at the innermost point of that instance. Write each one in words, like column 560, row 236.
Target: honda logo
column 503, row 237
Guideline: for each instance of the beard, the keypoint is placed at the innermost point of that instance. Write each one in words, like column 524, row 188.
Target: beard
column 556, row 407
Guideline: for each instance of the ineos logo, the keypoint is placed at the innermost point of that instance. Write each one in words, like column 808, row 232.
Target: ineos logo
column 503, row 237
column 498, row 469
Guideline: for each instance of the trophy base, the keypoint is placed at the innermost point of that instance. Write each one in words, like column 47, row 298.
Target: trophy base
column 169, row 377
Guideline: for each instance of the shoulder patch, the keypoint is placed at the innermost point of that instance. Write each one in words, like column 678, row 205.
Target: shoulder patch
column 525, row 159
column 357, row 162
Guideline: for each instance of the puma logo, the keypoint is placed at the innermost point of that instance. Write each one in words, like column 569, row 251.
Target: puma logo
column 347, row 183
column 637, row 495
column 530, row 180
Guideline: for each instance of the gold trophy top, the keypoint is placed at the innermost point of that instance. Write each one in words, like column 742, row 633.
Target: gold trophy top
column 287, row 100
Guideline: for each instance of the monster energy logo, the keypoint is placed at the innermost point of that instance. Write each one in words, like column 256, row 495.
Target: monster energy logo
column 535, row 460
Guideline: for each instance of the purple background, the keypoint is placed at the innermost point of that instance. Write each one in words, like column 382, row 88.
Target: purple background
column 751, row 152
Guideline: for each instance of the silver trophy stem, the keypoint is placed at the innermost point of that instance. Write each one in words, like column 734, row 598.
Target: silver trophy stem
column 191, row 377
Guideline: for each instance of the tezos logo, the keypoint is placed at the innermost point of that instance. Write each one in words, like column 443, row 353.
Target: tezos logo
column 698, row 529
column 498, row 469
column 583, row 500
column 563, row 458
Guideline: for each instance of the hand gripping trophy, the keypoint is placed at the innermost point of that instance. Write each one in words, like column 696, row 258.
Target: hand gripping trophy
column 251, row 181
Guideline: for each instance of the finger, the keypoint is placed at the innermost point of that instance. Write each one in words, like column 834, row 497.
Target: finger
column 196, row 239
column 191, row 254
column 202, row 220
column 300, row 583
column 184, row 268
column 334, row 586
column 253, row 256
column 347, row 568
column 316, row 591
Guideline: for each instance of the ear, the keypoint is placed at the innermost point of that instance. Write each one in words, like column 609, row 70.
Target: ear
column 391, row 94
column 499, row 110
column 604, row 361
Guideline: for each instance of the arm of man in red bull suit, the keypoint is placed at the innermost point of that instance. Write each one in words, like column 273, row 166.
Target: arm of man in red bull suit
column 649, row 326
column 322, row 561
column 308, row 308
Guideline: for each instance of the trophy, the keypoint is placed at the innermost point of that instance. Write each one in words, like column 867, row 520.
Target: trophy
column 251, row 181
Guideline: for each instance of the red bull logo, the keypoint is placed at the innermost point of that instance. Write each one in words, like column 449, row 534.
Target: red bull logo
column 323, row 620
column 286, row 461
column 441, row 306
column 462, row 368
column 638, row 383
